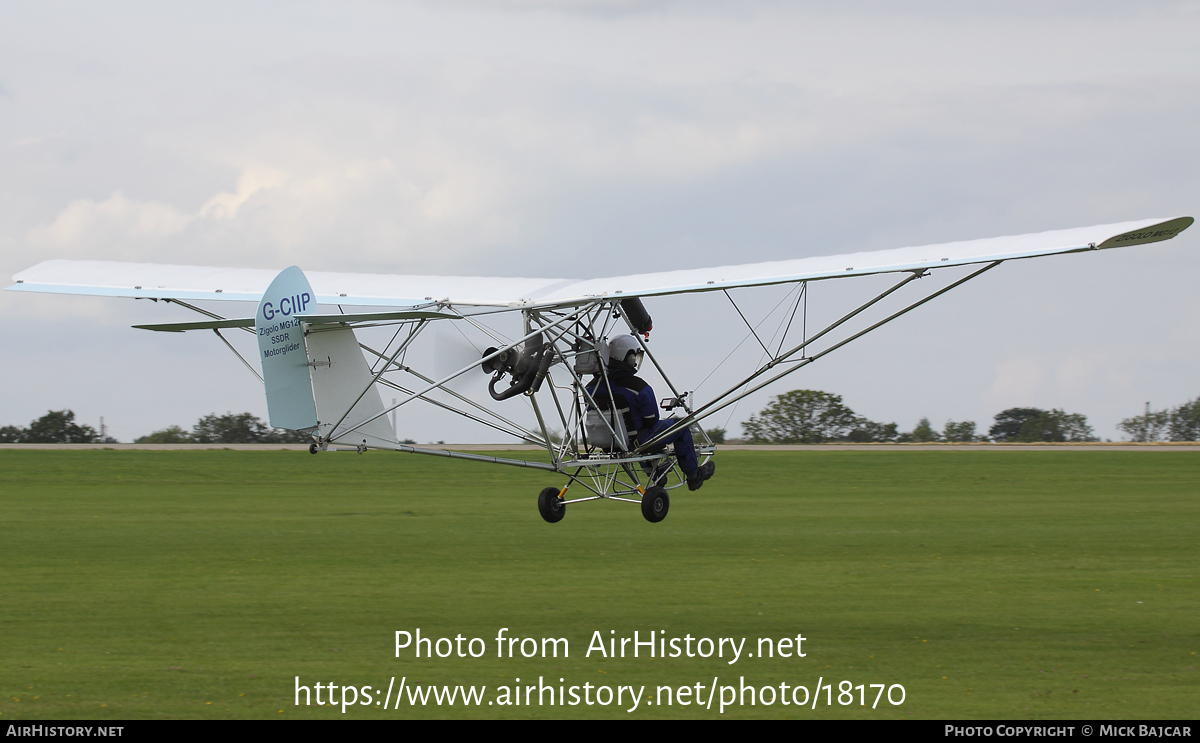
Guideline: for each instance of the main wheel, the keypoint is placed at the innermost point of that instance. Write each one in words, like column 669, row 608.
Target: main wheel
column 313, row 448
column 655, row 504
column 551, row 506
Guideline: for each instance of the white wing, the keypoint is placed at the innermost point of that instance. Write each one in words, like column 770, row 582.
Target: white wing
column 104, row 278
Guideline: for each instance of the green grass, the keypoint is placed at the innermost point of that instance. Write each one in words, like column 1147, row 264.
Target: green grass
column 989, row 584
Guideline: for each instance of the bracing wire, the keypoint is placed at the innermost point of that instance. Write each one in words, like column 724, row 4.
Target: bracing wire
column 389, row 345
column 468, row 340
column 801, row 294
column 748, row 325
column 744, row 339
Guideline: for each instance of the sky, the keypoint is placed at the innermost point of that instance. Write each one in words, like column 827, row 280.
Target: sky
column 590, row 138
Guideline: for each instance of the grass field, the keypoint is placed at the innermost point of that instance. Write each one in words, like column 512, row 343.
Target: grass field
column 989, row 584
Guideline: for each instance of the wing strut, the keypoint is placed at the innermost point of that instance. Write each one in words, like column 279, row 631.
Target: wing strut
column 235, row 353
column 721, row 402
column 224, row 340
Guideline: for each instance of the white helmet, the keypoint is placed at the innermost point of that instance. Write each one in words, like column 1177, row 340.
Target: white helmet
column 620, row 347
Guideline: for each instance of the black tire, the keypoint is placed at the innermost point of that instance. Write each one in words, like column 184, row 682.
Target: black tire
column 655, row 504
column 551, row 506
column 313, row 448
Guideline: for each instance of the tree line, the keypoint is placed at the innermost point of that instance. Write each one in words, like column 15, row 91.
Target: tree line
column 796, row 417
column 55, row 427
column 816, row 417
column 231, row 428
column 1180, row 423
column 59, row 427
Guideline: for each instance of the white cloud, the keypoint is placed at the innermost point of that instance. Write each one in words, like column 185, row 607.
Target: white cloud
column 225, row 205
column 117, row 223
column 367, row 206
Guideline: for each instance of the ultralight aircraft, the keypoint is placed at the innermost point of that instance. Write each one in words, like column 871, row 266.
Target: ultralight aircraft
column 318, row 380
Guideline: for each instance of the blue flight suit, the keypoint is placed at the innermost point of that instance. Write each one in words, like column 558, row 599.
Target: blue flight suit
column 642, row 421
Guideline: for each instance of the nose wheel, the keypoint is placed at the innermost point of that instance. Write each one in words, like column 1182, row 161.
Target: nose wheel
column 551, row 506
column 655, row 504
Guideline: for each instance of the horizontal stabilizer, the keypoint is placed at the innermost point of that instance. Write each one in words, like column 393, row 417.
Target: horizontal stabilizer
column 179, row 327
column 354, row 319
column 374, row 317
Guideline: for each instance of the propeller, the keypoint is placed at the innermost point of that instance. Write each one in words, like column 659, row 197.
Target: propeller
column 451, row 352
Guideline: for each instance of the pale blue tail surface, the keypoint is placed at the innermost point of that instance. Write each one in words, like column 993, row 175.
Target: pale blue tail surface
column 282, row 351
column 315, row 372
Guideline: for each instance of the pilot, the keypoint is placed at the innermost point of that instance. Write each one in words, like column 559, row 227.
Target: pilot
column 624, row 359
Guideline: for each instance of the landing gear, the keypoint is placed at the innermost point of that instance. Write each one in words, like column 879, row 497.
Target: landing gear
column 551, row 506
column 655, row 504
column 313, row 448
column 656, row 472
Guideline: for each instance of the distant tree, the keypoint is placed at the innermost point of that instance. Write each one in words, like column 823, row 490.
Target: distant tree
column 922, row 433
column 1065, row 426
column 813, row 417
column 802, row 417
column 962, row 432
column 716, row 434
column 1149, row 426
column 58, row 427
column 1185, row 422
column 1028, row 425
column 242, row 428
column 168, row 435
column 871, row 432
column 11, row 435
column 1009, row 422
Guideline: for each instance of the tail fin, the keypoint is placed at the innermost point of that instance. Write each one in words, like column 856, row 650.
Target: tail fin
column 313, row 379
column 281, row 347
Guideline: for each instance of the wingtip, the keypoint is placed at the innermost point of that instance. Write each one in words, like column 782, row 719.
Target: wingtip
column 1152, row 233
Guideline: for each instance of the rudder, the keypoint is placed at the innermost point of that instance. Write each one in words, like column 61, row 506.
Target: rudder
column 339, row 376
